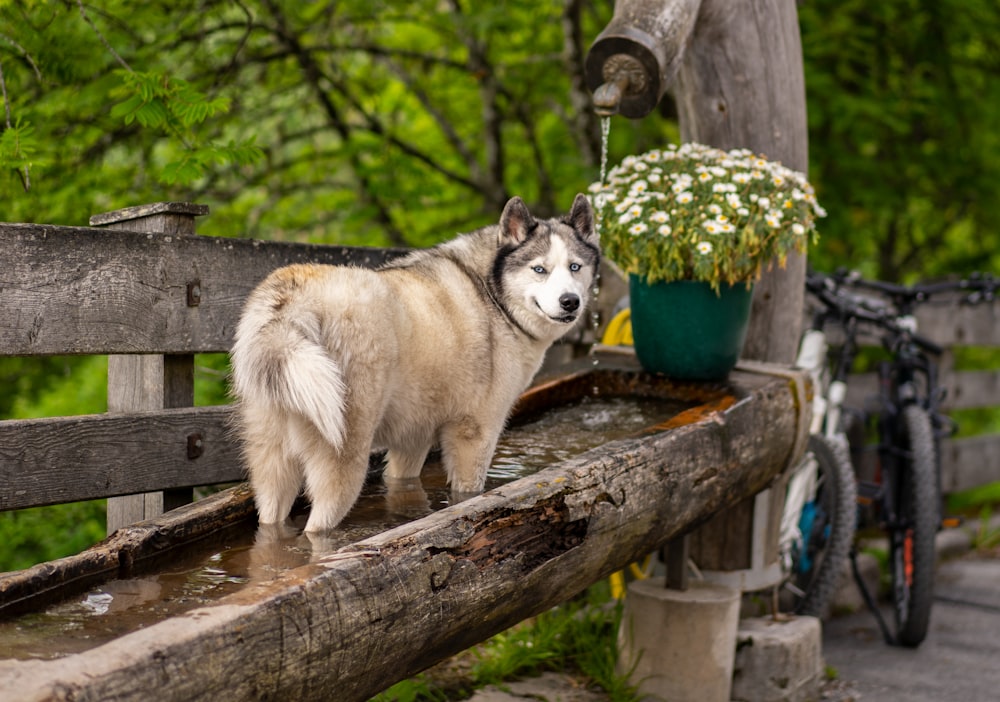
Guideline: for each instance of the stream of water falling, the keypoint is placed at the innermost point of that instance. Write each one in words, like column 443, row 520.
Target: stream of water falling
column 595, row 317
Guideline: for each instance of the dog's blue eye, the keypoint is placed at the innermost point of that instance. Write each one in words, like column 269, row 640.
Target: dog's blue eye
column 538, row 269
column 575, row 267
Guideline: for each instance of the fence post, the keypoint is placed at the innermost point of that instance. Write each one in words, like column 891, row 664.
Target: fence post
column 149, row 381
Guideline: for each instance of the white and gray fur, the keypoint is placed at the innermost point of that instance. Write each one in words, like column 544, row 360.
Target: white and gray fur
column 431, row 349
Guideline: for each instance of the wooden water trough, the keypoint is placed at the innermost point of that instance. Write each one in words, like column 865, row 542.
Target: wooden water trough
column 366, row 612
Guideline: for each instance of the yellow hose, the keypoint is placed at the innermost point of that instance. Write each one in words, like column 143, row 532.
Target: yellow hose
column 639, row 572
column 619, row 330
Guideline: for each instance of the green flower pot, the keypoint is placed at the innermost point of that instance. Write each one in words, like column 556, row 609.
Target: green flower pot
column 685, row 330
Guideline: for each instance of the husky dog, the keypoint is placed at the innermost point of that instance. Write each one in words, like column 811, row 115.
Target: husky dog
column 431, row 349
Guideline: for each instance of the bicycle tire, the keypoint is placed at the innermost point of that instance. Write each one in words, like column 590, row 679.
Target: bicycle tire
column 911, row 546
column 818, row 572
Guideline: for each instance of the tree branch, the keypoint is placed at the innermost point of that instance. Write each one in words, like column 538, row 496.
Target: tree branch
column 314, row 77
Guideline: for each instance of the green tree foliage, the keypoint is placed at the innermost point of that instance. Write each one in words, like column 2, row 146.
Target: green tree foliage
column 904, row 104
column 375, row 122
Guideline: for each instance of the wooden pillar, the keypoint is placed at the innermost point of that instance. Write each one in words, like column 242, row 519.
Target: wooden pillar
column 741, row 85
column 150, row 381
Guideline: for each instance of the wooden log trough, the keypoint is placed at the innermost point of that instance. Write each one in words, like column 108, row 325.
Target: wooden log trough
column 360, row 617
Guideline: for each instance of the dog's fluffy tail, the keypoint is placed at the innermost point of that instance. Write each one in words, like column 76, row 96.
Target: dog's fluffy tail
column 281, row 363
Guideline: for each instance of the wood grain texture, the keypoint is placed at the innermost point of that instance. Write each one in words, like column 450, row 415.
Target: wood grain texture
column 77, row 290
column 387, row 607
column 741, row 85
column 66, row 459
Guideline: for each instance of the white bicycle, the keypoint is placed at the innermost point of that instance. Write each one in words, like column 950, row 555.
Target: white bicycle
column 820, row 512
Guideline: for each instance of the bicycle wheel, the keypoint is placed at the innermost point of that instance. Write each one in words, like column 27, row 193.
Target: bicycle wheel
column 827, row 527
column 911, row 542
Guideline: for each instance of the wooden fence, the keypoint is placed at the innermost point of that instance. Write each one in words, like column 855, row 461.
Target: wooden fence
column 146, row 290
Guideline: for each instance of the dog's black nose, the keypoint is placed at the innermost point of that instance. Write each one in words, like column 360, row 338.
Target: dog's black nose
column 570, row 302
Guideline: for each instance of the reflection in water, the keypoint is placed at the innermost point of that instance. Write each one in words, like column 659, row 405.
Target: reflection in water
column 120, row 606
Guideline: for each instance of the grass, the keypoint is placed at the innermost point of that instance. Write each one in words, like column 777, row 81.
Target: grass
column 579, row 637
column 986, row 538
column 970, row 502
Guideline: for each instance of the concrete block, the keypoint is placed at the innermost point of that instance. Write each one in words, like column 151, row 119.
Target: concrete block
column 778, row 661
column 679, row 645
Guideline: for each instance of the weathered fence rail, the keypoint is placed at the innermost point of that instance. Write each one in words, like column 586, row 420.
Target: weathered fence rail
column 83, row 290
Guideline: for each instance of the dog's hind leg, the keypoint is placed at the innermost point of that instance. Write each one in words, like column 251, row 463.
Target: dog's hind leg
column 406, row 464
column 333, row 482
column 274, row 469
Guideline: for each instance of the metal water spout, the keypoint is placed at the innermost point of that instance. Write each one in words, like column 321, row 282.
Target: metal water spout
column 635, row 58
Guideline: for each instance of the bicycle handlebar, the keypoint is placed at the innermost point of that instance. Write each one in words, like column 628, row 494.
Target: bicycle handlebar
column 982, row 286
column 828, row 290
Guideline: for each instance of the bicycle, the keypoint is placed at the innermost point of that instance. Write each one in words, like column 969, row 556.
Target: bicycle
column 818, row 519
column 905, row 493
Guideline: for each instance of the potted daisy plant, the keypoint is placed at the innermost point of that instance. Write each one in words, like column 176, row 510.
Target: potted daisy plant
column 694, row 227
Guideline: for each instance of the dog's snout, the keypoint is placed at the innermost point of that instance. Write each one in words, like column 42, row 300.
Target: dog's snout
column 570, row 302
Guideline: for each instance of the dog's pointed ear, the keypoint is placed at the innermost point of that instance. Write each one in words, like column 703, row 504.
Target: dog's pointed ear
column 581, row 218
column 515, row 222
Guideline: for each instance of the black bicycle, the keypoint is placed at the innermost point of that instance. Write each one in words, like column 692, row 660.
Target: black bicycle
column 905, row 492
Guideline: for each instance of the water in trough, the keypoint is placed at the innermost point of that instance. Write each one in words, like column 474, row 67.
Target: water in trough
column 203, row 575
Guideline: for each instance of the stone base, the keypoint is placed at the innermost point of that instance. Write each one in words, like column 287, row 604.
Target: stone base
column 778, row 661
column 679, row 645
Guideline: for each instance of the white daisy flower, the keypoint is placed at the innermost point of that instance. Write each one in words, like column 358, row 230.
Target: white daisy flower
column 665, row 230
column 637, row 229
column 704, row 248
column 638, row 188
column 659, row 217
